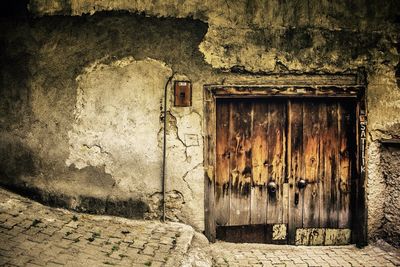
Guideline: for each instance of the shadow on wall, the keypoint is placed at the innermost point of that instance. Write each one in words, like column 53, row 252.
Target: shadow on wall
column 16, row 160
column 390, row 160
column 18, row 163
column 398, row 64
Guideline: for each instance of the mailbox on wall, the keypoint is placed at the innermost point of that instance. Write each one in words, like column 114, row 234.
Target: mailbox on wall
column 183, row 94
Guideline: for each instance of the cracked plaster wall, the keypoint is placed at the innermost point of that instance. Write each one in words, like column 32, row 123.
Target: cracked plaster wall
column 117, row 120
column 84, row 126
column 391, row 169
column 263, row 37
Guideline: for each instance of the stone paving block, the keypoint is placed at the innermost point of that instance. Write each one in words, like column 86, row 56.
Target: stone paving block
column 31, row 231
column 132, row 251
column 8, row 224
column 73, row 224
column 26, row 223
column 49, row 230
column 147, row 251
column 19, row 261
column 38, row 237
column 4, row 260
column 31, row 264
column 40, row 259
column 4, row 217
column 53, row 264
column 9, row 245
column 16, row 230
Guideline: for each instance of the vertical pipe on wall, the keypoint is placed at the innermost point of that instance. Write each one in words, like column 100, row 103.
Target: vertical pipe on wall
column 164, row 146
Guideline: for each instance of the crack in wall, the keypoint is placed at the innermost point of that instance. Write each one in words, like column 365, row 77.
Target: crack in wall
column 173, row 130
column 186, row 174
column 101, row 149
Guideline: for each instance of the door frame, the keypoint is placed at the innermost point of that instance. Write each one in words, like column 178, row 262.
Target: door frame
column 344, row 86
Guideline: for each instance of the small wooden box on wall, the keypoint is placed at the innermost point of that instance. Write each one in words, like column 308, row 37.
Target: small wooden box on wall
column 182, row 93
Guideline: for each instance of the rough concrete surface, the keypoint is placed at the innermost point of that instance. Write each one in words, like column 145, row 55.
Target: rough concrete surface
column 82, row 86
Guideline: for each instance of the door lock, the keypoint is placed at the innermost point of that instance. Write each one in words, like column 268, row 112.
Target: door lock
column 272, row 187
column 301, row 183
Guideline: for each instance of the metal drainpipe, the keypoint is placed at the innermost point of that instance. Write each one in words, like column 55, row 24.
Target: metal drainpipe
column 164, row 146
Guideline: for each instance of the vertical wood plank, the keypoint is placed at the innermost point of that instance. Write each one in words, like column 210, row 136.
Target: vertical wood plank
column 222, row 185
column 276, row 160
column 346, row 137
column 333, row 214
column 359, row 218
column 240, row 162
column 311, row 142
column 259, row 157
column 324, row 160
column 295, row 167
column 328, row 182
column 209, row 163
column 354, row 196
column 362, row 214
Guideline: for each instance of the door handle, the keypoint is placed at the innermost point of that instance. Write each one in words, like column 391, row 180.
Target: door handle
column 272, row 187
column 301, row 183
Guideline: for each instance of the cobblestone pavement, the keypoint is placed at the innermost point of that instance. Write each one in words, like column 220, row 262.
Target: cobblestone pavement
column 35, row 235
column 228, row 254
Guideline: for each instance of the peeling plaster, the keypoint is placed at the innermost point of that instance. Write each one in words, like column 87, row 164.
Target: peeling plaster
column 116, row 118
column 118, row 125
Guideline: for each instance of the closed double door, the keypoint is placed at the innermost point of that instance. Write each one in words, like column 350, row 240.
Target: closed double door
column 284, row 170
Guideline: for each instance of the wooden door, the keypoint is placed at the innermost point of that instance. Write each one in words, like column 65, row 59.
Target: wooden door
column 321, row 153
column 250, row 156
column 265, row 150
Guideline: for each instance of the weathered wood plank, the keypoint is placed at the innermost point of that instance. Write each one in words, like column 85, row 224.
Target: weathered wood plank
column 259, row 157
column 285, row 201
column 285, row 91
column 329, row 168
column 240, row 162
column 276, row 160
column 346, row 137
column 324, row 173
column 331, row 79
column 358, row 194
column 333, row 165
column 311, row 142
column 295, row 167
column 222, row 184
column 360, row 211
column 209, row 163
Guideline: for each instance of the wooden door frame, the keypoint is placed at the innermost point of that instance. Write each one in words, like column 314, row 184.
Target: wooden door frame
column 349, row 86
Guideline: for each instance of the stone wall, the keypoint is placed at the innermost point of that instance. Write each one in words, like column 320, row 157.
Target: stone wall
column 391, row 170
column 82, row 88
